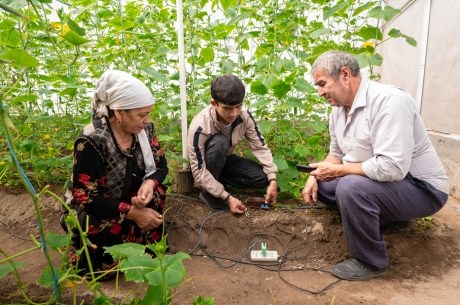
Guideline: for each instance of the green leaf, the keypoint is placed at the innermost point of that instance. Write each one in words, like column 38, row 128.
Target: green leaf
column 125, row 250
column 314, row 141
column 258, row 87
column 154, row 73
column 68, row 92
column 292, row 102
column 280, row 88
column 176, row 258
column 166, row 138
column 395, row 33
column 14, row 39
column 29, row 145
column 156, row 295
column 263, row 49
column 238, row 18
column 11, row 10
column 19, row 57
column 263, row 102
column 47, row 277
column 228, row 3
column 199, row 300
column 7, row 268
column 207, row 54
column 262, row 63
column 136, row 267
column 411, row 41
column 75, row 27
column 362, row 8
column 74, row 38
column 301, row 150
column 56, row 241
column 227, row 66
column 155, row 277
column 370, row 32
column 101, row 300
column 70, row 221
column 386, row 14
column 331, row 11
column 173, row 270
column 375, row 59
column 319, row 32
column 280, row 163
column 302, row 85
column 175, row 274
column 366, row 59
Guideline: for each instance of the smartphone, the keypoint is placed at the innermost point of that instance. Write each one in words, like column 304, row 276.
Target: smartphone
column 305, row 168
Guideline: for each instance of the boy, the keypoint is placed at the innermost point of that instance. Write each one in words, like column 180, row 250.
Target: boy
column 213, row 136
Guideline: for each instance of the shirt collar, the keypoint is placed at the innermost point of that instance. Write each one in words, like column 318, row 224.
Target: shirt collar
column 360, row 97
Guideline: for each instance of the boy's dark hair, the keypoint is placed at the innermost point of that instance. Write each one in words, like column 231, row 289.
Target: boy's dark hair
column 228, row 90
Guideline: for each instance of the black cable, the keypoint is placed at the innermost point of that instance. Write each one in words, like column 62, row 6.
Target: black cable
column 265, row 266
column 452, row 207
column 11, row 232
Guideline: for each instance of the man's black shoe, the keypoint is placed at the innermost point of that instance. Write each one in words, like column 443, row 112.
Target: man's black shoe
column 213, row 203
column 355, row 270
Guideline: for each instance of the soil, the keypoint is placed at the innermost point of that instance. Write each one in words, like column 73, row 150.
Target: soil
column 424, row 268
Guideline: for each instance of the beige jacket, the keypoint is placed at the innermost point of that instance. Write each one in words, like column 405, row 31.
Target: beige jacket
column 203, row 126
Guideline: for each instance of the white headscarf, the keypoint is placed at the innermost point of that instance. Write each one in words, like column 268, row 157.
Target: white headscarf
column 119, row 90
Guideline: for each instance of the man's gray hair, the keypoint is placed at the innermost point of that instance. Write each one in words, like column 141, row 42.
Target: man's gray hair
column 333, row 61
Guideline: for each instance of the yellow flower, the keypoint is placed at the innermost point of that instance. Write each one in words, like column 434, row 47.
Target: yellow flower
column 47, row 137
column 69, row 284
column 55, row 25
column 369, row 43
column 63, row 27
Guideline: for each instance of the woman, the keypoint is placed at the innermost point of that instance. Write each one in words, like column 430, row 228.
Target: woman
column 118, row 171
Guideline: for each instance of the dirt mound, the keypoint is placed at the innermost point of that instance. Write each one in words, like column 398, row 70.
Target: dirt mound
column 305, row 236
column 308, row 240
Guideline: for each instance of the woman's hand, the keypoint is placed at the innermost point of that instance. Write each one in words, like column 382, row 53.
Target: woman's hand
column 145, row 218
column 144, row 194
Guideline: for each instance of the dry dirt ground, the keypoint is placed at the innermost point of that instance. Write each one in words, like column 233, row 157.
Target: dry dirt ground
column 425, row 257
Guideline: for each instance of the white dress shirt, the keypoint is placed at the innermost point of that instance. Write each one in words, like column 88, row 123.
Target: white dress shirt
column 386, row 133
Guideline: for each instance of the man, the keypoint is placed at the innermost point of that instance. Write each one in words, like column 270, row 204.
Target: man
column 214, row 134
column 381, row 167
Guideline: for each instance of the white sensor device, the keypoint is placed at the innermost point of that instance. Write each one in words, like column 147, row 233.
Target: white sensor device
column 270, row 256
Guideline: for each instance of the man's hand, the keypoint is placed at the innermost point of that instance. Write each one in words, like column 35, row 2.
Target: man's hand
column 310, row 191
column 235, row 205
column 326, row 171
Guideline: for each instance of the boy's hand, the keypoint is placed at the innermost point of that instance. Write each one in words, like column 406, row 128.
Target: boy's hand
column 236, row 206
column 272, row 193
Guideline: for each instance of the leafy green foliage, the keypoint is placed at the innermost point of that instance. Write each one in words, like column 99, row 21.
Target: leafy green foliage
column 7, row 268
column 161, row 272
column 52, row 52
column 199, row 300
column 55, row 52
